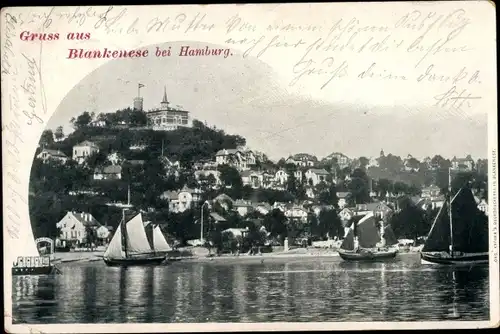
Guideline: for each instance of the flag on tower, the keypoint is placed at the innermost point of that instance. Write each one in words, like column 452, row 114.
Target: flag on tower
column 141, row 85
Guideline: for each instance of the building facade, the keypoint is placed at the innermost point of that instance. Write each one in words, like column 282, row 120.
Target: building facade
column 167, row 118
column 52, row 155
column 83, row 150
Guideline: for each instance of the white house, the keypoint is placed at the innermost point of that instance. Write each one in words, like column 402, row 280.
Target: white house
column 112, row 172
column 342, row 160
column 430, row 191
column 236, row 232
column 378, row 208
column 342, row 196
column 483, row 206
column 54, row 155
column 252, row 178
column 181, row 200
column 310, row 192
column 83, row 150
column 238, row 158
column 463, row 164
column 281, row 177
column 73, row 226
column 296, row 213
column 298, row 175
column 316, row 176
column 242, row 207
column 263, row 208
column 115, row 158
column 302, row 160
column 203, row 175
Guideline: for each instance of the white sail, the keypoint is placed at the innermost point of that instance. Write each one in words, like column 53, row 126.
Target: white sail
column 26, row 245
column 159, row 241
column 137, row 241
column 114, row 249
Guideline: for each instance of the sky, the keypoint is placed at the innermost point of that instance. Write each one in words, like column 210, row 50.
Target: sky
column 244, row 96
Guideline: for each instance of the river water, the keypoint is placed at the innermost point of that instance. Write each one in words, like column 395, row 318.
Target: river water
column 289, row 290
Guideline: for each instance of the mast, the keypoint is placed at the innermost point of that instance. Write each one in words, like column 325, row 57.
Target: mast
column 124, row 230
column 449, row 211
column 128, row 198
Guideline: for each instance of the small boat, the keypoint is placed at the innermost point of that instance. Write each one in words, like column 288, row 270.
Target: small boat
column 29, row 261
column 459, row 234
column 34, row 265
column 130, row 246
column 365, row 241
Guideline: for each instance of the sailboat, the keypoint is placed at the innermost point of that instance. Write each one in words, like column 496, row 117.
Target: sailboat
column 129, row 245
column 459, row 234
column 364, row 241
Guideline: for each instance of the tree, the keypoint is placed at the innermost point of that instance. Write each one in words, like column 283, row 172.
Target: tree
column 363, row 162
column 329, row 196
column 330, row 224
column 47, row 138
column 90, row 237
column 96, row 159
column 291, row 182
column 59, row 134
column 275, row 224
column 82, row 120
column 138, row 118
column 384, row 186
column 314, row 225
column 413, row 163
column 359, row 186
column 255, row 237
column 230, row 178
column 410, row 222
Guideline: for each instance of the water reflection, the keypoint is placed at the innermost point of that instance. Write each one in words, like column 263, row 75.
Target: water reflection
column 254, row 292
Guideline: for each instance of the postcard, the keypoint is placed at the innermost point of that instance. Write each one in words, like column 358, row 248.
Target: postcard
column 319, row 166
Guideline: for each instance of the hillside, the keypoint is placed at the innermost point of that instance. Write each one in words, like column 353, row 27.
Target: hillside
column 56, row 188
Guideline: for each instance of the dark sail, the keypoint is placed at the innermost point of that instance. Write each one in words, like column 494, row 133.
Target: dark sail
column 438, row 239
column 368, row 232
column 348, row 243
column 470, row 227
column 389, row 236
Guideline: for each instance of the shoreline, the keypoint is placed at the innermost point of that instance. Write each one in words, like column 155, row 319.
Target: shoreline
column 295, row 254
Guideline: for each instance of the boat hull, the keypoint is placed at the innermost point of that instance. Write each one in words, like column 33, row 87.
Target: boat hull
column 367, row 256
column 462, row 260
column 134, row 261
column 22, row 271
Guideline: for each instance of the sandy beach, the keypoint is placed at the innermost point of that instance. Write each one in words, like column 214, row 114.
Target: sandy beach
column 202, row 255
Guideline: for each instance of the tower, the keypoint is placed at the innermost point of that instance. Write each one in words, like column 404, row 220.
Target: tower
column 164, row 102
column 382, row 153
column 138, row 103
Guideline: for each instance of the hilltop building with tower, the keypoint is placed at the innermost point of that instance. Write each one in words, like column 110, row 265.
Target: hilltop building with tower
column 165, row 117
